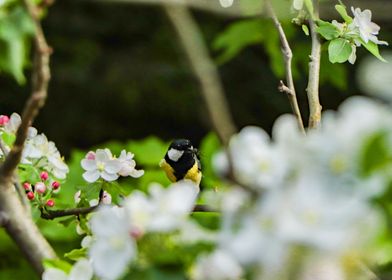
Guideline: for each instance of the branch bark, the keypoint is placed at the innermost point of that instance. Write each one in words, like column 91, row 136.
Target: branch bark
column 314, row 71
column 204, row 69
column 287, row 57
column 20, row 225
column 53, row 214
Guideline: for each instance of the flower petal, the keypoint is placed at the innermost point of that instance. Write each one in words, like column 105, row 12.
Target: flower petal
column 54, row 274
column 113, row 166
column 109, row 176
column 82, row 270
column 91, row 176
column 88, row 164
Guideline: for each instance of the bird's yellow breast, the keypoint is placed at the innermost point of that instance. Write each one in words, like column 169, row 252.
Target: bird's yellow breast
column 194, row 174
column 168, row 170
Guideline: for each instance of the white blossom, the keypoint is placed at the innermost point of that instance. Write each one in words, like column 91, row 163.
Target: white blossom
column 219, row 265
column 80, row 271
column 226, row 3
column 298, row 4
column 368, row 30
column 100, row 165
column 44, row 154
column 13, row 124
column 128, row 165
column 113, row 247
column 257, row 162
column 164, row 210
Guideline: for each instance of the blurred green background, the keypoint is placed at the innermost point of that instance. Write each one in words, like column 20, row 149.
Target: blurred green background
column 119, row 73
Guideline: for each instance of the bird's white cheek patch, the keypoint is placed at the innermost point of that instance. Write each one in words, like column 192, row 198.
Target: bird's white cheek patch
column 174, row 154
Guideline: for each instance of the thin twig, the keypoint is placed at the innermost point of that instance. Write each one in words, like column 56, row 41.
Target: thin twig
column 203, row 208
column 314, row 71
column 53, row 214
column 287, row 57
column 204, row 68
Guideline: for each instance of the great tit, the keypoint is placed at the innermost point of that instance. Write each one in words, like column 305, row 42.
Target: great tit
column 182, row 162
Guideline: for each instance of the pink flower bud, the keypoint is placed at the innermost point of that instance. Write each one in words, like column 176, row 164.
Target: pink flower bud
column 50, row 202
column 136, row 233
column 55, row 185
column 27, row 186
column 30, row 195
column 44, row 175
column 40, row 187
column 90, row 155
column 4, row 119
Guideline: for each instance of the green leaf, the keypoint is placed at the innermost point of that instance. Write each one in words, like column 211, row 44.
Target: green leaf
column 16, row 30
column 57, row 263
column 327, row 30
column 309, row 7
column 76, row 254
column 28, row 173
column 373, row 49
column 335, row 74
column 305, row 29
column 375, row 154
column 339, row 50
column 236, row 37
column 341, row 9
column 8, row 138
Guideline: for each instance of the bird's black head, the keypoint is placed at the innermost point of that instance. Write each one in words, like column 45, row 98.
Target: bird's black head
column 181, row 145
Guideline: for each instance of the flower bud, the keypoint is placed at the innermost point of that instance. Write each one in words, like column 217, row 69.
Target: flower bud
column 106, row 198
column 4, row 119
column 55, row 185
column 44, row 175
column 77, row 196
column 50, row 202
column 90, row 155
column 40, row 187
column 136, row 233
column 30, row 195
column 27, row 186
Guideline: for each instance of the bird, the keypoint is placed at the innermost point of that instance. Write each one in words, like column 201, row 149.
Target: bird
column 181, row 162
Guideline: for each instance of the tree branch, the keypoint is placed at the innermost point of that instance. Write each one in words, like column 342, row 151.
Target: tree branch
column 287, row 57
column 314, row 71
column 204, row 68
column 203, row 208
column 20, row 226
column 4, row 219
column 53, row 214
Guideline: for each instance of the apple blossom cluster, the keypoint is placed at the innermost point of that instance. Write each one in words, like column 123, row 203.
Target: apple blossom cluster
column 41, row 192
column 316, row 195
column 117, row 229
column 102, row 164
column 38, row 151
